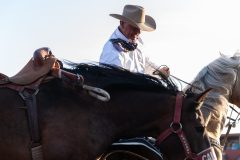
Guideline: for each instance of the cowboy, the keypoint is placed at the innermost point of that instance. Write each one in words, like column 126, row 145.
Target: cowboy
column 124, row 47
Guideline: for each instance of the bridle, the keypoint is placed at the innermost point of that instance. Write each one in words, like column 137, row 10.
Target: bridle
column 176, row 128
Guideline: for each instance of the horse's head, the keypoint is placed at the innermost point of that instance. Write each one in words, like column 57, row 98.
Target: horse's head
column 188, row 129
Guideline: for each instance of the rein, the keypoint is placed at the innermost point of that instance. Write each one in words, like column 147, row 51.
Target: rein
column 168, row 80
column 190, row 84
column 176, row 128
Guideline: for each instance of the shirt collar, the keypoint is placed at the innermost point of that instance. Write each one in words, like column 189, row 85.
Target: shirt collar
column 118, row 34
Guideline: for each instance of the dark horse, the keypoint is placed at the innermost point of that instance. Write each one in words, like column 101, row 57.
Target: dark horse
column 76, row 126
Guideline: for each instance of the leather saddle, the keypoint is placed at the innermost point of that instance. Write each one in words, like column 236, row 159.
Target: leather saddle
column 140, row 148
column 38, row 66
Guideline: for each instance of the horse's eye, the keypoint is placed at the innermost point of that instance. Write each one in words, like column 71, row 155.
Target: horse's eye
column 200, row 129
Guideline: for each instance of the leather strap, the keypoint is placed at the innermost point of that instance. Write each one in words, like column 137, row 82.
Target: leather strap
column 30, row 98
column 176, row 127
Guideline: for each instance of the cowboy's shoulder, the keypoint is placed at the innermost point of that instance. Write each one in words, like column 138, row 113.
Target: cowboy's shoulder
column 140, row 41
column 140, row 44
column 109, row 48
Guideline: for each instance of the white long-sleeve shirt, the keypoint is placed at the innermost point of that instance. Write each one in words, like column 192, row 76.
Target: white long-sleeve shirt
column 134, row 61
column 131, row 60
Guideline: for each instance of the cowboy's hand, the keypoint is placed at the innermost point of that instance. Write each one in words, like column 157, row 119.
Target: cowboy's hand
column 165, row 71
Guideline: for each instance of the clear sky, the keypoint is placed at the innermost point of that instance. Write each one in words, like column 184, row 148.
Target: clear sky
column 189, row 35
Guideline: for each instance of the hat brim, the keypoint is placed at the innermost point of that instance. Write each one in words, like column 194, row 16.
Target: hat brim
column 149, row 25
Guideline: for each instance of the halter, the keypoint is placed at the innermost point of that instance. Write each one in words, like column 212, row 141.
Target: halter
column 176, row 127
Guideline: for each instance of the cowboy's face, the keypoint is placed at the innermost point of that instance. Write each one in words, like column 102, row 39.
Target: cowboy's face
column 131, row 32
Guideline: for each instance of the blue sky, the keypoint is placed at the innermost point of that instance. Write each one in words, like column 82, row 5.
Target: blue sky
column 189, row 34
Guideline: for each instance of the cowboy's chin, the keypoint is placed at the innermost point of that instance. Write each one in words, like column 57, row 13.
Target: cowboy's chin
column 133, row 39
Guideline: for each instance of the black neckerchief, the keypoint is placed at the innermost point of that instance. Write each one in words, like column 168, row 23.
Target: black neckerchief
column 122, row 45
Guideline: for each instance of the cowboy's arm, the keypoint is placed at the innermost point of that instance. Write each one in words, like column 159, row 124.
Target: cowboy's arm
column 110, row 55
column 150, row 67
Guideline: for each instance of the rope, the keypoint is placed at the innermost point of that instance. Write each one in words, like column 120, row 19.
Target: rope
column 37, row 153
column 169, row 80
column 186, row 82
column 98, row 93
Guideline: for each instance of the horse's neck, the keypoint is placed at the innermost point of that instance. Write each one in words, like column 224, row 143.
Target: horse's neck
column 143, row 113
column 235, row 98
column 218, row 98
column 216, row 102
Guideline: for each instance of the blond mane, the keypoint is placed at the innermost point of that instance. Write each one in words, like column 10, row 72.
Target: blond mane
column 220, row 75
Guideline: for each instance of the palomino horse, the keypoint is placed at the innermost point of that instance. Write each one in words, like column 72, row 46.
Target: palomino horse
column 59, row 120
column 223, row 76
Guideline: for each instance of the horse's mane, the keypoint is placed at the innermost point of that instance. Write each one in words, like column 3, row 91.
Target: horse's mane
column 220, row 75
column 110, row 76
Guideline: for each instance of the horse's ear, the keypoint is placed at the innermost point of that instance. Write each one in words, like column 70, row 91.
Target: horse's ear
column 202, row 96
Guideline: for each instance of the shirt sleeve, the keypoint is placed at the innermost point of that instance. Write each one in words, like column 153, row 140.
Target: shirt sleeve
column 150, row 66
column 110, row 55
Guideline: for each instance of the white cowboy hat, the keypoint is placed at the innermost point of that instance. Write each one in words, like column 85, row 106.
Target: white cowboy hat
column 135, row 15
